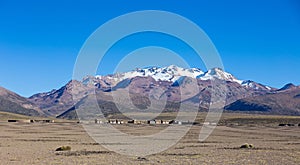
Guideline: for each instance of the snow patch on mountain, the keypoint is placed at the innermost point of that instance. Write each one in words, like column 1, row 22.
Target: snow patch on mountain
column 173, row 73
column 170, row 73
column 217, row 73
column 254, row 85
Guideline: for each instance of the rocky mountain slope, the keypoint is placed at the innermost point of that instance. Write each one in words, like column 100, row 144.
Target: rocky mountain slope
column 285, row 101
column 55, row 102
column 173, row 85
column 165, row 88
column 14, row 103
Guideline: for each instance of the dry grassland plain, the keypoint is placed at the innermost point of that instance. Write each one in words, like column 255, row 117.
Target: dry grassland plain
column 35, row 143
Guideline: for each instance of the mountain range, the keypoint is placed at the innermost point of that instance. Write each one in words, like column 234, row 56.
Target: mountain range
column 14, row 103
column 172, row 84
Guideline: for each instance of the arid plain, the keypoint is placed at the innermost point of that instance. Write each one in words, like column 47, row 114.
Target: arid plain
column 35, row 143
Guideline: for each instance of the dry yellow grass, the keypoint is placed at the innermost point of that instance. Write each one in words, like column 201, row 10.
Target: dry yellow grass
column 35, row 143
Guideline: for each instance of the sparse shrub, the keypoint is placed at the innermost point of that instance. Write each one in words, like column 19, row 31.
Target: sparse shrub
column 246, row 145
column 63, row 148
column 142, row 159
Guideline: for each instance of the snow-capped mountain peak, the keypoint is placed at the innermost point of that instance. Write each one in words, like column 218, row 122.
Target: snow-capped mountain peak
column 217, row 73
column 169, row 73
column 172, row 73
column 254, row 85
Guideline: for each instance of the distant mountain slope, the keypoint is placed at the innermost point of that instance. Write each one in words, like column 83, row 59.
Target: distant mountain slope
column 14, row 103
column 167, row 86
column 288, row 86
column 7, row 115
column 284, row 102
column 55, row 102
column 171, row 84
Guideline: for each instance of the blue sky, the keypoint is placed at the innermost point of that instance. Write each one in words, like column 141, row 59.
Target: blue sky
column 39, row 41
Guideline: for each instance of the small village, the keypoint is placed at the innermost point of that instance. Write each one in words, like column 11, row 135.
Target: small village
column 30, row 121
column 150, row 122
column 138, row 122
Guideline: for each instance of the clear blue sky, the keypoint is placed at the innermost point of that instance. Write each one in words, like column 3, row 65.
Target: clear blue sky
column 39, row 41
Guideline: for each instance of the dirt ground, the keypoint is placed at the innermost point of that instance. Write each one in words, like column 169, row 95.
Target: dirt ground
column 35, row 143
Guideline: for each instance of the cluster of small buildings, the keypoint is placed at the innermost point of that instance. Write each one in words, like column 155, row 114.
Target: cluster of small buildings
column 151, row 122
column 31, row 121
column 288, row 125
column 210, row 124
column 118, row 121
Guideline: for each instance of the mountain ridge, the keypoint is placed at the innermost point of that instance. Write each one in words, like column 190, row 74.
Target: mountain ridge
column 14, row 103
column 158, row 83
column 141, row 81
